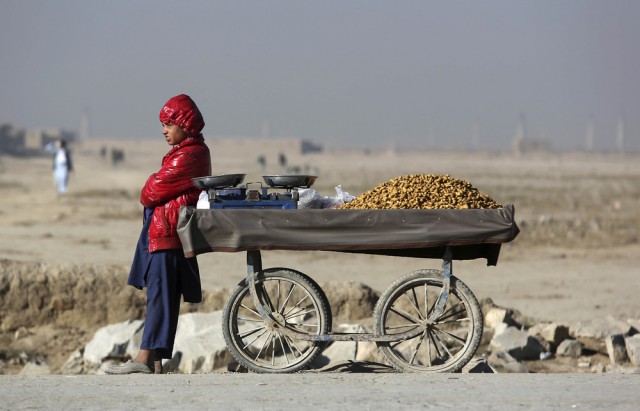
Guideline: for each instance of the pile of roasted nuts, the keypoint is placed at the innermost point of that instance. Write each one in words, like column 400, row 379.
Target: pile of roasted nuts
column 422, row 191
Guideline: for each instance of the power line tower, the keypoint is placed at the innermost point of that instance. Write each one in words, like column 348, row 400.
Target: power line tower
column 475, row 137
column 591, row 133
column 521, row 128
column 85, row 125
column 620, row 134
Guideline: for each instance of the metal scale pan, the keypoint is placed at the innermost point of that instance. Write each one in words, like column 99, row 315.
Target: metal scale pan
column 219, row 181
column 289, row 181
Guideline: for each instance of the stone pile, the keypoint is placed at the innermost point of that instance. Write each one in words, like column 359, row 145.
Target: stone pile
column 511, row 343
column 518, row 344
column 199, row 346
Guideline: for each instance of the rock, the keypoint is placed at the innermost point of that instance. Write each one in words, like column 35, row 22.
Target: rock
column 199, row 346
column 235, row 367
column 212, row 300
column 600, row 328
column 172, row 365
column 520, row 320
column 569, row 348
column 20, row 359
column 508, row 316
column 616, row 349
column 341, row 351
column 200, row 343
column 621, row 369
column 519, row 344
column 35, row 368
column 584, row 362
column 350, row 301
column 551, row 332
column 496, row 316
column 75, row 363
column 635, row 324
column 477, row 366
column 592, row 333
column 547, row 347
column 112, row 342
column 500, row 328
column 21, row 333
column 632, row 345
column 502, row 362
column 369, row 352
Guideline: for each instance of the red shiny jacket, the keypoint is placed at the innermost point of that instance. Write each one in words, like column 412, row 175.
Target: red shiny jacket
column 171, row 187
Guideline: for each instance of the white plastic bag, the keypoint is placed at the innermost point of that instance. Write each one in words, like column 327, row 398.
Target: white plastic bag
column 338, row 200
column 203, row 201
column 343, row 195
column 309, row 198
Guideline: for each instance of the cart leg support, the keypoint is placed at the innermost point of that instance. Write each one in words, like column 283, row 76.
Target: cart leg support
column 254, row 266
column 446, row 282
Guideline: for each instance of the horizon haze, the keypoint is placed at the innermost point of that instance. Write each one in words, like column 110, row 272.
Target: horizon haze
column 409, row 74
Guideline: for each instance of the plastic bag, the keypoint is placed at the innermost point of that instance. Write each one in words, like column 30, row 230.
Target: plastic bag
column 343, row 195
column 338, row 200
column 309, row 198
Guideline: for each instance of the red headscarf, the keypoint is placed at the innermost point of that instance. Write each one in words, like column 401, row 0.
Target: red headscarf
column 183, row 112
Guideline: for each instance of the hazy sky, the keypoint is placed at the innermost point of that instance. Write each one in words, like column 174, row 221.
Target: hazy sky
column 353, row 73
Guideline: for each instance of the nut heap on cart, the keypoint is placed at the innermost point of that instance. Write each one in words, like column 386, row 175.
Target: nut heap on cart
column 423, row 191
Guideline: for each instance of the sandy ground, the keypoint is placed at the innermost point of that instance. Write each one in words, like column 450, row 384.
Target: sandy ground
column 577, row 257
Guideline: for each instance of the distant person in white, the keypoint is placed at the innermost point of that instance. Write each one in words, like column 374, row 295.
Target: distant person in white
column 62, row 166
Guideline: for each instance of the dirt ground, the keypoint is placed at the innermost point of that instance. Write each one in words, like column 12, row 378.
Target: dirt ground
column 323, row 391
column 577, row 256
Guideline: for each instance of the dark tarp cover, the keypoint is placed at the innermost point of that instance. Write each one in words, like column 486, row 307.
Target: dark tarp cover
column 471, row 233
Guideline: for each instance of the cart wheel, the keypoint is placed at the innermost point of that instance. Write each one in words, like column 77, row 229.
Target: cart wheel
column 294, row 299
column 448, row 343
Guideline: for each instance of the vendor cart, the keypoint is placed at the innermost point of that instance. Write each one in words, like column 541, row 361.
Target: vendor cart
column 277, row 320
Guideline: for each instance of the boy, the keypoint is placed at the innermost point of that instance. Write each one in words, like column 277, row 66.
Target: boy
column 159, row 263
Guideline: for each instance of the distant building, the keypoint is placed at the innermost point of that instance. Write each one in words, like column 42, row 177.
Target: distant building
column 525, row 146
column 275, row 155
column 37, row 139
column 310, row 147
column 271, row 147
column 12, row 140
column 23, row 142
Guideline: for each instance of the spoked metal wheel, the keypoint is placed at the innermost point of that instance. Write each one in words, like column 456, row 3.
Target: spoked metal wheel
column 447, row 343
column 295, row 303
